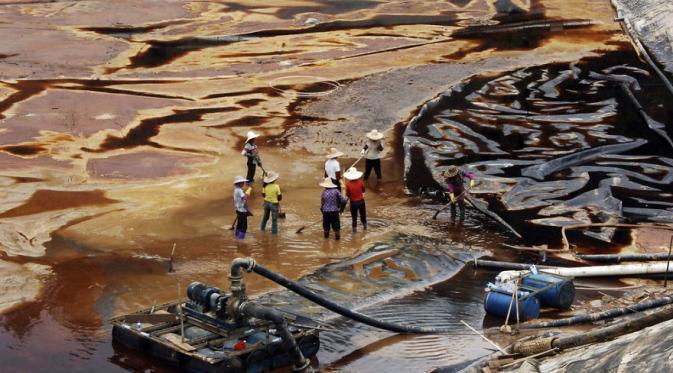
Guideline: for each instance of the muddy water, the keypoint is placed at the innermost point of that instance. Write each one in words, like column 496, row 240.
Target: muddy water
column 123, row 142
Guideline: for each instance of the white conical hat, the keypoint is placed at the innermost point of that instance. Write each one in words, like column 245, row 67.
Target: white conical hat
column 327, row 183
column 239, row 179
column 374, row 135
column 251, row 135
column 334, row 153
column 353, row 174
column 271, row 176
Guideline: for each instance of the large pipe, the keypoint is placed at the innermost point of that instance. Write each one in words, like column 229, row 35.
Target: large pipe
column 625, row 327
column 640, row 257
column 276, row 317
column 503, row 265
column 634, row 324
column 595, row 316
column 589, row 271
column 343, row 311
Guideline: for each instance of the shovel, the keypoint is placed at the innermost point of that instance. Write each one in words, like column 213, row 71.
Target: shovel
column 307, row 226
column 434, row 217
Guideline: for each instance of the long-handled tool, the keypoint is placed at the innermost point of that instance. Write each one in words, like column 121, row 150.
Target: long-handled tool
column 233, row 225
column 434, row 217
column 307, row 226
column 358, row 160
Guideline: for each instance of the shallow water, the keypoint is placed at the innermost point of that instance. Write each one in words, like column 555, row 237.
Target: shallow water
column 123, row 141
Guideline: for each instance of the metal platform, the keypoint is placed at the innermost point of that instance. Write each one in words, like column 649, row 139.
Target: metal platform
column 179, row 334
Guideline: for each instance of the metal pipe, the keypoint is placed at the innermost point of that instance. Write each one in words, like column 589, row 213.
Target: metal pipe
column 238, row 266
column 640, row 257
column 503, row 265
column 591, row 317
column 602, row 334
column 588, row 271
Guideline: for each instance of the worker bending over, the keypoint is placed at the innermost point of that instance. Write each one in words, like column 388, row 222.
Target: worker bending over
column 454, row 178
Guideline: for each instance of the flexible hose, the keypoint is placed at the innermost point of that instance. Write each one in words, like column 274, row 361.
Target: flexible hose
column 277, row 318
column 600, row 315
column 308, row 294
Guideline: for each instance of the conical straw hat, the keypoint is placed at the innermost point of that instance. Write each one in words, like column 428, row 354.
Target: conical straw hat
column 327, row 183
column 334, row 153
column 353, row 174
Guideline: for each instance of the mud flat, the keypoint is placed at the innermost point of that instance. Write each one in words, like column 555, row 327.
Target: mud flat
column 120, row 136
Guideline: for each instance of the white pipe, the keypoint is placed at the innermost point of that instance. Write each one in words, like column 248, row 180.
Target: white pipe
column 608, row 270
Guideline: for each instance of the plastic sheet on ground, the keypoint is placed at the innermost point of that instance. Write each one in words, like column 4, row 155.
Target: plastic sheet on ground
column 648, row 350
column 653, row 21
column 556, row 144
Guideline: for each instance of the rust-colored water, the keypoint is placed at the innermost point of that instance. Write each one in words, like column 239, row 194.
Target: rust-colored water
column 120, row 134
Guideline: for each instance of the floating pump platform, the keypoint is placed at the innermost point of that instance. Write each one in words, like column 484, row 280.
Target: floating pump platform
column 199, row 342
column 214, row 331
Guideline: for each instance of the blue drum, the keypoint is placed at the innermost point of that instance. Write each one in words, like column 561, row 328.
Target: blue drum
column 497, row 303
column 559, row 292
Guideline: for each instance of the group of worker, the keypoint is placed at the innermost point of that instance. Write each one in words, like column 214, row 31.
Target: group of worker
column 332, row 201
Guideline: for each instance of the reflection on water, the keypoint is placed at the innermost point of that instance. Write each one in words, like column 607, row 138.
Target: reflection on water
column 355, row 347
column 191, row 81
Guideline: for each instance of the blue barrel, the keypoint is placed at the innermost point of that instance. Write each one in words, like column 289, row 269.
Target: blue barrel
column 497, row 303
column 560, row 294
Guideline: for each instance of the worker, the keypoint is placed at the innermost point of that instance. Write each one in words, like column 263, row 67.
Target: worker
column 372, row 153
column 252, row 153
column 454, row 178
column 332, row 204
column 355, row 191
column 332, row 167
column 272, row 197
column 241, row 195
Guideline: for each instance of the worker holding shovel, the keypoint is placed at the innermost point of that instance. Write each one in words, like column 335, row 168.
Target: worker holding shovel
column 372, row 153
column 252, row 153
column 454, row 178
column 332, row 203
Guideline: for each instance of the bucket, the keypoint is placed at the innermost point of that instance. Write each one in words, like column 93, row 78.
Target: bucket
column 560, row 294
column 496, row 302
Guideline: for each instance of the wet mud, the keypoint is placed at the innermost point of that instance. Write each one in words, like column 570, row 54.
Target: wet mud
column 123, row 142
column 50, row 200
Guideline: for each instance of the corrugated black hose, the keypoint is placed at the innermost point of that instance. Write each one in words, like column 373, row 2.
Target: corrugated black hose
column 308, row 294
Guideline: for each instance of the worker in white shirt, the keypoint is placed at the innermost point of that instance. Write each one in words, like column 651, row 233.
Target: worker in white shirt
column 372, row 152
column 332, row 167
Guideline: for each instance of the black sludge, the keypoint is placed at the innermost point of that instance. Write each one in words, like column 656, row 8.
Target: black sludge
column 554, row 145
